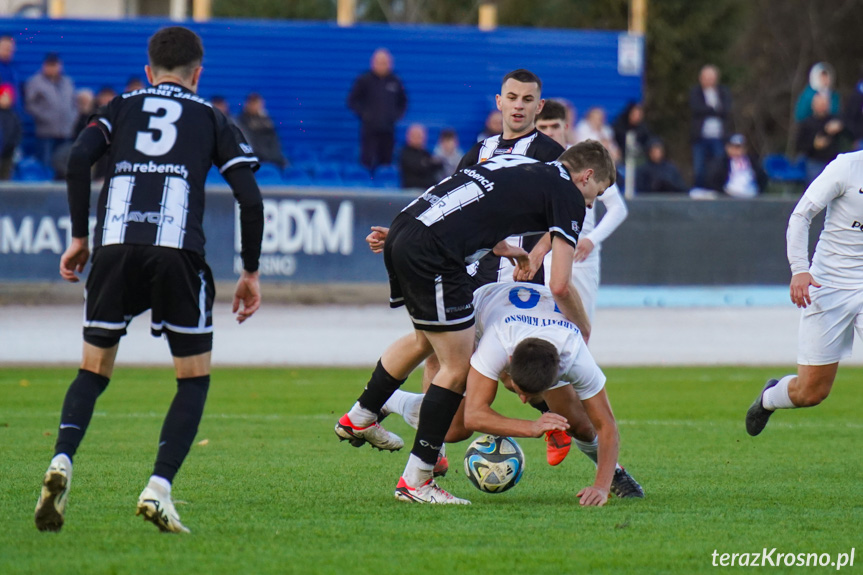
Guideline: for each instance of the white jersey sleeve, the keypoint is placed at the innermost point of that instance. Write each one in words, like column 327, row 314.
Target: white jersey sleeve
column 616, row 212
column 490, row 357
column 797, row 236
column 839, row 252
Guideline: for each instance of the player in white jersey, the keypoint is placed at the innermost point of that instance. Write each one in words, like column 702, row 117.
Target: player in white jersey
column 830, row 291
column 513, row 316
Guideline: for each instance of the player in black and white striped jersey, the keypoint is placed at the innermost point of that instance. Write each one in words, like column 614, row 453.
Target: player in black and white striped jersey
column 148, row 253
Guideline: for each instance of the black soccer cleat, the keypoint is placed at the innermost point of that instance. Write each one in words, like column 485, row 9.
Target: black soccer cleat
column 623, row 485
column 757, row 416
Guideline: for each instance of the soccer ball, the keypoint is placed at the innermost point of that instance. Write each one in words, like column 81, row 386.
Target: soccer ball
column 494, row 464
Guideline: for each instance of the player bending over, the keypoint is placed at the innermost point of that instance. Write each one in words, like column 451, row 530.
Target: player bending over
column 526, row 343
column 429, row 244
column 149, row 254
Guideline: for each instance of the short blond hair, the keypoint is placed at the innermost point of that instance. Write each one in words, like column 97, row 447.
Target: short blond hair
column 590, row 154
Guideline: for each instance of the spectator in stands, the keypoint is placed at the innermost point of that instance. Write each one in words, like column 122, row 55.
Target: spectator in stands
column 9, row 70
column 134, row 83
column 736, row 173
column 448, row 152
column 632, row 120
column 85, row 103
column 710, row 114
column 493, row 126
column 820, row 137
column 104, row 97
column 594, row 127
column 657, row 173
column 821, row 80
column 50, row 98
column 571, row 117
column 221, row 104
column 260, row 131
column 10, row 131
column 853, row 114
column 379, row 101
column 419, row 169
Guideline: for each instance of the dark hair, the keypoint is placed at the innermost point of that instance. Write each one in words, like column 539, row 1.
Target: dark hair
column 593, row 155
column 523, row 76
column 51, row 58
column 218, row 100
column 447, row 134
column 254, row 97
column 534, row 365
column 552, row 110
column 175, row 48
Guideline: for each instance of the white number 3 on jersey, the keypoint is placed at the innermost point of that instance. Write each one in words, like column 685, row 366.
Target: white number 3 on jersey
column 163, row 124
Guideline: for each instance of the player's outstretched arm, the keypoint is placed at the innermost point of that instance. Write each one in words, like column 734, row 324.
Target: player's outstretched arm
column 74, row 259
column 598, row 409
column 516, row 256
column 565, row 295
column 479, row 416
column 377, row 238
column 247, row 294
column 536, row 257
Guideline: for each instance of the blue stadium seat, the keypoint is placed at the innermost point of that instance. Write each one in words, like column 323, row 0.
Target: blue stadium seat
column 327, row 174
column 295, row 176
column 269, row 175
column 32, row 170
column 355, row 175
column 780, row 169
column 386, row 177
column 302, row 155
column 340, row 153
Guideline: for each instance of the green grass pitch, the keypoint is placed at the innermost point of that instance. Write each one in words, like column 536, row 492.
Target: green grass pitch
column 271, row 490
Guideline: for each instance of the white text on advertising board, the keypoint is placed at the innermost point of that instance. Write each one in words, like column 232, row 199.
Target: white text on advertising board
column 298, row 227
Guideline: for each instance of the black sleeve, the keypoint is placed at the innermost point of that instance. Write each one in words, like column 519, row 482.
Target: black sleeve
column 91, row 144
column 471, row 158
column 248, row 195
column 565, row 209
column 357, row 96
column 231, row 147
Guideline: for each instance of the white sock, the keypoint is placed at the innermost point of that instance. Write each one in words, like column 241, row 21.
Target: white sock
column 417, row 471
column 407, row 405
column 160, row 483
column 777, row 396
column 591, row 449
column 360, row 416
column 63, row 460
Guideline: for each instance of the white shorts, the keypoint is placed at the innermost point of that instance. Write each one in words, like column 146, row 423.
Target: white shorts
column 583, row 374
column 827, row 326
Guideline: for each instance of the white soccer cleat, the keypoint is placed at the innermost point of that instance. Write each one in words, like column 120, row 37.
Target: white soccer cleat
column 428, row 492
column 157, row 508
column 51, row 507
column 374, row 434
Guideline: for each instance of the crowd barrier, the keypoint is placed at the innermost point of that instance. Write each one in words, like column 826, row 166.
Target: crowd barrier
column 317, row 236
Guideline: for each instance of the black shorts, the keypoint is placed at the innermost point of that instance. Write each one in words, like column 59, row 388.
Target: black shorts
column 176, row 285
column 426, row 278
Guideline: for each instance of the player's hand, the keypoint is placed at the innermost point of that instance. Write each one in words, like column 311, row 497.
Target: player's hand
column 74, row 259
column 549, row 421
column 583, row 248
column 249, row 293
column 592, row 497
column 377, row 238
column 800, row 289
